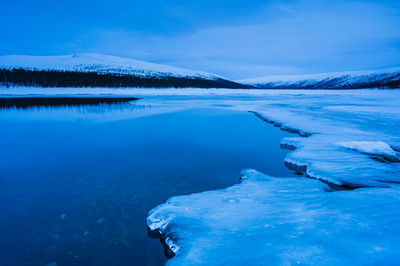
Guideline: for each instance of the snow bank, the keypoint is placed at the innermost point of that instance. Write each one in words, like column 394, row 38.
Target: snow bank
column 281, row 221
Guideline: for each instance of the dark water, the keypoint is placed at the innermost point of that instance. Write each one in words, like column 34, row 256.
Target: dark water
column 77, row 192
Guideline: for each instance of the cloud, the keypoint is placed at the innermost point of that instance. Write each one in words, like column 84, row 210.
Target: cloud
column 244, row 39
column 309, row 38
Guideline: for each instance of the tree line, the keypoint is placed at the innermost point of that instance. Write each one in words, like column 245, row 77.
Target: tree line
column 53, row 78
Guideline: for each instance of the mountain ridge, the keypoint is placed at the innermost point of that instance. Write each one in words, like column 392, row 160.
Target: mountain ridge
column 89, row 62
column 95, row 70
column 382, row 78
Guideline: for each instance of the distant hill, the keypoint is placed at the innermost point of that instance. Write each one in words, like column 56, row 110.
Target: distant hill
column 94, row 70
column 383, row 79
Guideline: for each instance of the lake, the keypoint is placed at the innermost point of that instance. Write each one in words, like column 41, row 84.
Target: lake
column 76, row 189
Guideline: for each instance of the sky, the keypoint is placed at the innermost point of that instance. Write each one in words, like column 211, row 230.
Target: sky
column 236, row 39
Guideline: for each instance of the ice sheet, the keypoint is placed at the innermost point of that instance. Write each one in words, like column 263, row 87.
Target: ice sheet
column 281, row 221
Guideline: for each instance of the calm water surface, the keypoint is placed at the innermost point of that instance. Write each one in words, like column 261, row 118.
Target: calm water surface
column 76, row 191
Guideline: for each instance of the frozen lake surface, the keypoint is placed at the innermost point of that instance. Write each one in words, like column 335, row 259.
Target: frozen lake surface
column 346, row 212
column 77, row 183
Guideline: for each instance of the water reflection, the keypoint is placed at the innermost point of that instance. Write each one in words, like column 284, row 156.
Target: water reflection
column 102, row 111
column 27, row 102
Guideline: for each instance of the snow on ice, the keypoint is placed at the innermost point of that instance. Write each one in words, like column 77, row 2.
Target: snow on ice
column 374, row 148
column 281, row 221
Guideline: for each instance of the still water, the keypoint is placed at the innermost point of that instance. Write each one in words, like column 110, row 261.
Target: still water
column 77, row 190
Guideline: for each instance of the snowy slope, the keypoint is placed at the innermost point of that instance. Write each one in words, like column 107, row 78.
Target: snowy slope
column 334, row 80
column 98, row 63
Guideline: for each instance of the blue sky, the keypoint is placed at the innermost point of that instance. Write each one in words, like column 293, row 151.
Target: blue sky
column 236, row 38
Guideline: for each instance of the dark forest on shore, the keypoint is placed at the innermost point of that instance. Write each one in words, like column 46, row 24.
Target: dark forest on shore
column 53, row 78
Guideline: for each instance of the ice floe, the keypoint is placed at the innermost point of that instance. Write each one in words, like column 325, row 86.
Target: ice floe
column 281, row 221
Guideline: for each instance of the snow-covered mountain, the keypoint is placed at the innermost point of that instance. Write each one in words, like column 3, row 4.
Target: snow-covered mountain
column 386, row 78
column 98, row 63
column 95, row 70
